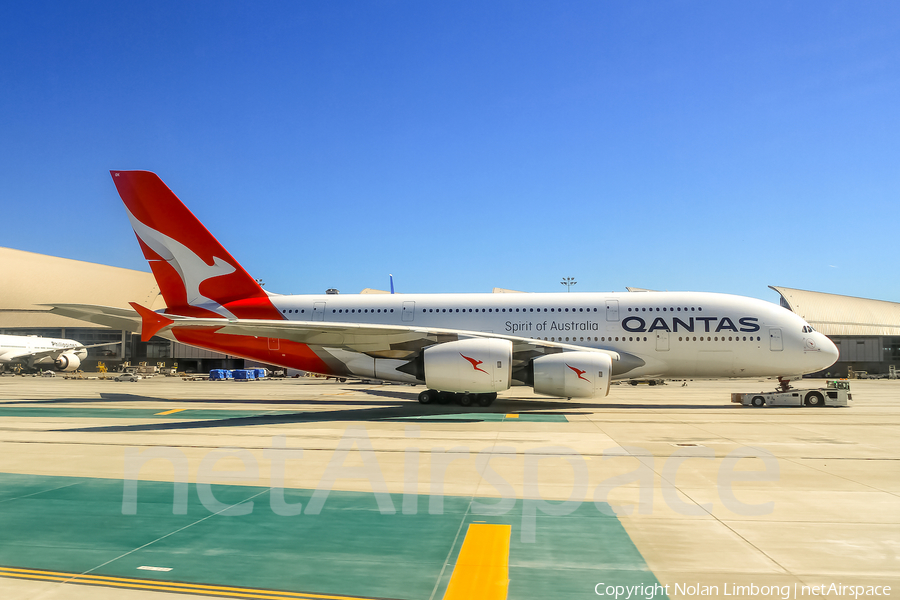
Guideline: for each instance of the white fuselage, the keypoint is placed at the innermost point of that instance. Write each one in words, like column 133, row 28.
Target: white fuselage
column 658, row 334
column 20, row 348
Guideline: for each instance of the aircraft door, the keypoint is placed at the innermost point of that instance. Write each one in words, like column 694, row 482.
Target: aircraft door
column 775, row 342
column 318, row 311
column 612, row 310
column 409, row 311
column 662, row 341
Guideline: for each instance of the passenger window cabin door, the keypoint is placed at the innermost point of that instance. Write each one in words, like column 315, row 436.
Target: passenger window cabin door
column 409, row 311
column 662, row 341
column 318, row 311
column 776, row 344
column 612, row 310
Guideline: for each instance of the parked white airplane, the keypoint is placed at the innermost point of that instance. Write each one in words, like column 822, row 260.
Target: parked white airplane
column 462, row 346
column 31, row 351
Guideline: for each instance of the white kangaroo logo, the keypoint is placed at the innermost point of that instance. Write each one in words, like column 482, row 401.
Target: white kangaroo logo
column 192, row 269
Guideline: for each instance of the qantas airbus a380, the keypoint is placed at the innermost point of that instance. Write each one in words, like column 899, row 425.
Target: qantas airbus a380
column 466, row 347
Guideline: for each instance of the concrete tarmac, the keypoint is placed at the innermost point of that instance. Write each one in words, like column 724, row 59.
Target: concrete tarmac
column 662, row 491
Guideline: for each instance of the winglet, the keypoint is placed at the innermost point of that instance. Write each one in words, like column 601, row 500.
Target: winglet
column 151, row 322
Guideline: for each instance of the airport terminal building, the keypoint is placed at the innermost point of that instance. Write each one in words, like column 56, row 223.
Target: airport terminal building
column 867, row 332
column 30, row 280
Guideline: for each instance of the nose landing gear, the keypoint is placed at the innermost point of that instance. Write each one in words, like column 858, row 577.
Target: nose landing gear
column 784, row 384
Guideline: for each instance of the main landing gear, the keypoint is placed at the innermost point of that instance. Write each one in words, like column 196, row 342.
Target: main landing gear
column 429, row 396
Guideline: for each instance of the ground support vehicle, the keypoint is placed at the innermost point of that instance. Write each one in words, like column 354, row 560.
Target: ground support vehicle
column 836, row 394
column 128, row 377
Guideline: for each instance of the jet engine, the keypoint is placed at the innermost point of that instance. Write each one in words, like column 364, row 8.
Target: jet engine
column 477, row 366
column 68, row 361
column 573, row 374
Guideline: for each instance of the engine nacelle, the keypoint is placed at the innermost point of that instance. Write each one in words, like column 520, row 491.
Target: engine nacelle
column 477, row 366
column 68, row 361
column 573, row 374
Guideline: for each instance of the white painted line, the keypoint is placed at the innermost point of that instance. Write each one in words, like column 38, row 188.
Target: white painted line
column 146, row 568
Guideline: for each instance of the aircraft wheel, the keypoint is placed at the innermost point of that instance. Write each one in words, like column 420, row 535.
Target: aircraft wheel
column 815, row 399
column 758, row 401
column 465, row 399
column 427, row 396
column 484, row 399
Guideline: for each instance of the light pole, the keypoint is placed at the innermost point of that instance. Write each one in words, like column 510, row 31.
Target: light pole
column 568, row 282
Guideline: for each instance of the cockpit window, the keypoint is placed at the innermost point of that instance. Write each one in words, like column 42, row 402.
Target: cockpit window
column 808, row 329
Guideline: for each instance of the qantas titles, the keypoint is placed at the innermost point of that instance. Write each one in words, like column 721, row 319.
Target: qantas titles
column 639, row 325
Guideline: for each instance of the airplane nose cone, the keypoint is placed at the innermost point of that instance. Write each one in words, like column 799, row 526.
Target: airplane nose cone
column 829, row 352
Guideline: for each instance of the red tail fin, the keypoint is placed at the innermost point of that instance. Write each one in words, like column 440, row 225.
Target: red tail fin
column 196, row 275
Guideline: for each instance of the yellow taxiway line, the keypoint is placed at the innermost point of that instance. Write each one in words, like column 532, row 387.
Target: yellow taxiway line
column 482, row 567
column 171, row 412
column 165, row 586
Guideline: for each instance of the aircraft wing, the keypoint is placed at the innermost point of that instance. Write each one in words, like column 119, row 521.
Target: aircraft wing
column 54, row 354
column 116, row 318
column 97, row 345
column 379, row 341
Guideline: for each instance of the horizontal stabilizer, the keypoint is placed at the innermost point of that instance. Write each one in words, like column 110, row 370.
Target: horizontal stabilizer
column 151, row 322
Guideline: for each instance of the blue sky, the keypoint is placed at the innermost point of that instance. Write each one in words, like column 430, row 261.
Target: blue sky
column 714, row 146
